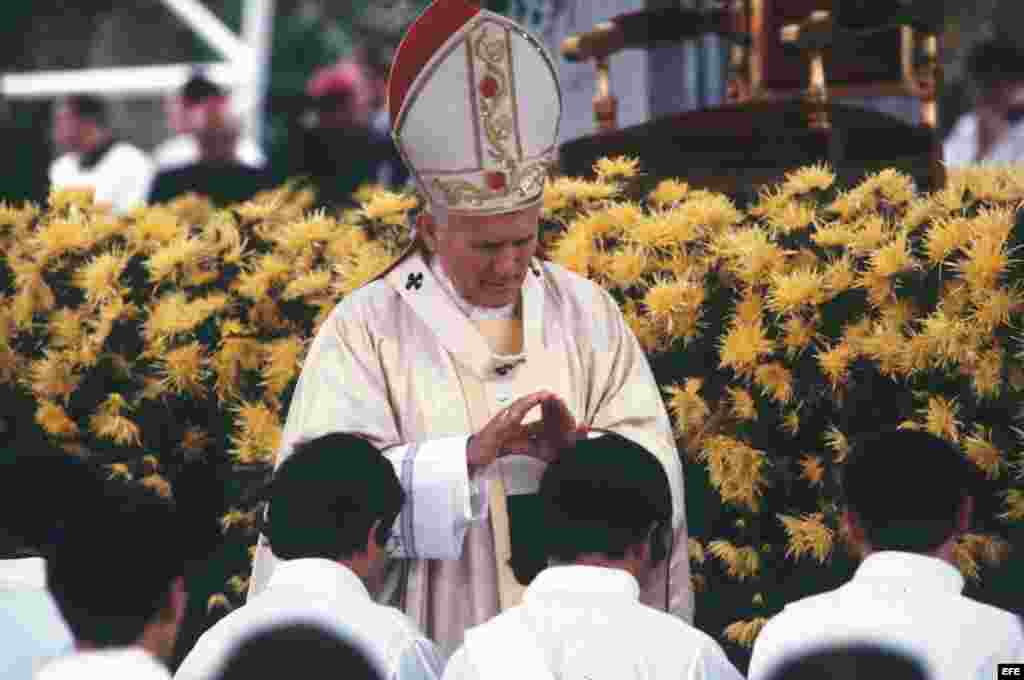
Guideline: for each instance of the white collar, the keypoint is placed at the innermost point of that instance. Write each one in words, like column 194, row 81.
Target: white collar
column 474, row 312
column 583, row 581
column 322, row 576
column 23, row 572
column 415, row 282
column 115, row 662
column 911, row 571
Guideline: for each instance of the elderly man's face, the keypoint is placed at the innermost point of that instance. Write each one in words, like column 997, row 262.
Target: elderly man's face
column 487, row 257
column 66, row 127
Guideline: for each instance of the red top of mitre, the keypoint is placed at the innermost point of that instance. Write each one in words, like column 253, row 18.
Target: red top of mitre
column 425, row 37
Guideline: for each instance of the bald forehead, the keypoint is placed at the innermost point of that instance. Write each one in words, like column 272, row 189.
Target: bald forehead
column 494, row 228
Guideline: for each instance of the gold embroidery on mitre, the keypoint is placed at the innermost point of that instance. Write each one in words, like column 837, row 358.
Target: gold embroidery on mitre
column 496, row 117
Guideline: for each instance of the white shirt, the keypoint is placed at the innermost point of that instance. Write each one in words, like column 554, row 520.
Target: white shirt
column 961, row 146
column 131, row 663
column 588, row 622
column 905, row 601
column 121, row 178
column 324, row 593
column 182, row 150
column 32, row 631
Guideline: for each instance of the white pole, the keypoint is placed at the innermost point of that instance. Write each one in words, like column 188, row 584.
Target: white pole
column 211, row 29
column 258, row 34
column 140, row 81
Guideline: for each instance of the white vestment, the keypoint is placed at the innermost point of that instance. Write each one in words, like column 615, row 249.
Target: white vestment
column 32, row 631
column 399, row 363
column 961, row 146
column 328, row 594
column 129, row 663
column 903, row 601
column 587, row 622
column 121, row 178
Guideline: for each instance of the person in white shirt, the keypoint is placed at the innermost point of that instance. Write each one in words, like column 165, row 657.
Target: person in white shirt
column 31, row 626
column 907, row 501
column 333, row 503
column 184, row 112
column 607, row 514
column 118, row 576
column 993, row 131
column 272, row 654
column 118, row 172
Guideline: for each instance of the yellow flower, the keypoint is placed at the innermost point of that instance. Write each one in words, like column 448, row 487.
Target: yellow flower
column 565, row 192
column 940, row 418
column 798, row 334
column 184, row 370
column 236, row 519
column 838, row 443
column 368, row 264
column 619, row 167
column 808, row 535
column 689, row 411
column 985, row 260
column 743, row 405
column 792, row 216
column 234, row 354
column 743, row 347
column 1014, row 503
column 389, row 208
column 218, row 601
column 835, row 363
column 668, row 192
column 832, row 235
column 817, row 177
column 116, row 428
column 994, row 309
column 812, row 469
column 741, row 562
column 750, row 308
column 54, row 419
column 282, row 361
column 744, row 633
column 156, row 227
column 100, row 278
column 776, row 380
column 626, row 266
column 695, row 550
column 168, row 262
column 53, row 377
column 793, row 291
column 257, row 436
column 946, row 237
column 194, row 442
column 987, row 374
column 983, row 453
column 749, row 254
column 791, row 422
column 156, row 483
column 61, row 199
column 893, row 258
column 736, row 470
column 67, row 328
column 316, row 282
column 119, row 471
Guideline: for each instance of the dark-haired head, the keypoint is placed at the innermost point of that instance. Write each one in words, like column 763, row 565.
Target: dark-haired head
column 117, row 573
column 327, row 496
column 272, row 654
column 851, row 663
column 906, row 490
column 89, row 108
column 41, row 487
column 995, row 62
column 198, row 88
column 606, row 496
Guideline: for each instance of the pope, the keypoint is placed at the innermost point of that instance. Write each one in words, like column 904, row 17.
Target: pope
column 472, row 361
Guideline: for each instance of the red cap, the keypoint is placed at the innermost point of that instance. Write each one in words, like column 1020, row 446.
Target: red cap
column 424, row 38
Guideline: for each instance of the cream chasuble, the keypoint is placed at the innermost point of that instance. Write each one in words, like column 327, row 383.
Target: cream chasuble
column 398, row 362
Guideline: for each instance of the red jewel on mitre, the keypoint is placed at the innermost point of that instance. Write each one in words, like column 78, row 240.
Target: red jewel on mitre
column 495, row 180
column 489, row 87
column 424, row 38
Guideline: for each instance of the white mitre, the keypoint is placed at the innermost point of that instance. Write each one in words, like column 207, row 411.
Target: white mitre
column 475, row 107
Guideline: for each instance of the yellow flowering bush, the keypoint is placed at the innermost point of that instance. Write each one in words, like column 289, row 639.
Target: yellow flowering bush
column 778, row 331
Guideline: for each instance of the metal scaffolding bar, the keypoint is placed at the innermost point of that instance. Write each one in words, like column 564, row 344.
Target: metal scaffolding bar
column 257, row 32
column 136, row 81
column 211, row 29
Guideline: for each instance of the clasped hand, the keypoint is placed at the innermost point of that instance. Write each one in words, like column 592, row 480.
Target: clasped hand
column 507, row 435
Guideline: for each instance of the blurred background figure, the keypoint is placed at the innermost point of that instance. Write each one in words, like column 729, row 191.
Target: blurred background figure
column 272, row 654
column 93, row 157
column 851, row 663
column 993, row 131
column 216, row 173
column 339, row 150
column 377, row 63
column 184, row 113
